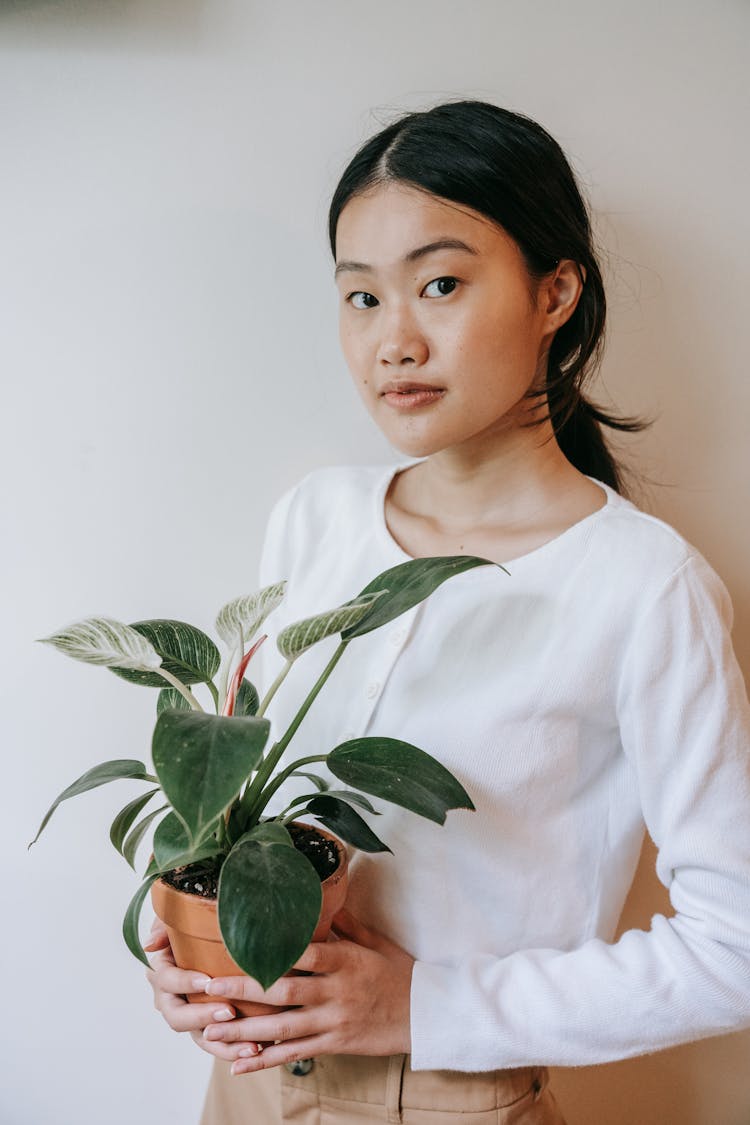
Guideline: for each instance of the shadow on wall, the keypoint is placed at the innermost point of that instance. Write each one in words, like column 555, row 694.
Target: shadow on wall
column 701, row 1083
column 120, row 23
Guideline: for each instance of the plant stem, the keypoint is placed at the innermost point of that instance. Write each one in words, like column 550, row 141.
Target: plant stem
column 214, row 693
column 274, row 687
column 288, row 819
column 270, row 762
column 184, row 691
column 280, row 778
column 223, row 681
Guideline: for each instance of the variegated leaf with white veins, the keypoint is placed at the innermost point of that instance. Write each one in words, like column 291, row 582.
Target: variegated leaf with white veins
column 247, row 613
column 301, row 635
column 103, row 640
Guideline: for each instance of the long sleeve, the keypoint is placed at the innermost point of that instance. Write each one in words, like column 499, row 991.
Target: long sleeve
column 684, row 725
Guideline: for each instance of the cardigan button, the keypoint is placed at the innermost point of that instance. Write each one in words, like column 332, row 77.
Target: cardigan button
column 300, row 1067
column 373, row 689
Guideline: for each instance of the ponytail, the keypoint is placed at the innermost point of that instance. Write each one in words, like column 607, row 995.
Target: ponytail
column 574, row 356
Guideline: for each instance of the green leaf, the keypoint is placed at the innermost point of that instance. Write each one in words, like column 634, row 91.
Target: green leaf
column 269, row 832
column 202, row 762
column 97, row 775
column 125, row 818
column 301, row 635
column 247, row 701
column 344, row 795
column 102, row 640
column 172, row 846
column 170, row 698
column 407, row 584
column 269, row 903
column 241, row 618
column 342, row 819
column 130, row 847
column 400, row 773
column 186, row 652
column 130, row 921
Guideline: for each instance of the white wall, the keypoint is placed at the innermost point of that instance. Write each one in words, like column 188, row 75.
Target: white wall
column 170, row 363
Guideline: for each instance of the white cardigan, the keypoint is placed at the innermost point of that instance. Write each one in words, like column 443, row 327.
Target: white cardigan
column 592, row 689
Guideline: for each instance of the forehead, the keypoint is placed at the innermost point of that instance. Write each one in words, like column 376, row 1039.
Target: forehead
column 382, row 224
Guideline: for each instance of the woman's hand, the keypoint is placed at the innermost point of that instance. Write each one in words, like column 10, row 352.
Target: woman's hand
column 170, row 985
column 357, row 1002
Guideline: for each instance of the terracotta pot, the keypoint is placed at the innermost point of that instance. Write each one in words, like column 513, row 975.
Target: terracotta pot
column 196, row 941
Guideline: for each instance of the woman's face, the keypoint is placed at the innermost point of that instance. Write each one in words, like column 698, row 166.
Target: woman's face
column 459, row 320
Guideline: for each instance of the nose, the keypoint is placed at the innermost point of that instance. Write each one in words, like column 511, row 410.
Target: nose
column 401, row 342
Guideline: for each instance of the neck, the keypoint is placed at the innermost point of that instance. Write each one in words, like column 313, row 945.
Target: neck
column 490, row 481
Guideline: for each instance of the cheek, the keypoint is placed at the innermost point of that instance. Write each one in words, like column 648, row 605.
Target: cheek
column 501, row 339
column 353, row 349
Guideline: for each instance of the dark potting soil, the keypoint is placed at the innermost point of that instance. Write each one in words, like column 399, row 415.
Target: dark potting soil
column 202, row 878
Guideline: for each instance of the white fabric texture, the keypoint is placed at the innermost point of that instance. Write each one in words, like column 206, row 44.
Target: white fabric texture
column 590, row 690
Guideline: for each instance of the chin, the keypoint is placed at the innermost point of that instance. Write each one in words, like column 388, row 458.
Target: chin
column 414, row 446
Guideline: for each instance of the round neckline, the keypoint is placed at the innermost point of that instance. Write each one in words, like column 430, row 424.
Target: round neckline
column 395, row 548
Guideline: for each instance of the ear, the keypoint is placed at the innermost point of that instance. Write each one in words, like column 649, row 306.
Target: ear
column 562, row 292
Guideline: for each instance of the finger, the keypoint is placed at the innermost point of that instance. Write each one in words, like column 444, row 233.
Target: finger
column 321, row 957
column 347, row 925
column 166, row 976
column 159, row 936
column 183, row 1015
column 162, row 957
column 157, row 941
column 278, row 1053
column 228, row 1051
column 292, row 1024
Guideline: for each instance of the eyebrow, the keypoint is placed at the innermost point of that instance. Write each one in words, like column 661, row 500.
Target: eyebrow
column 412, row 256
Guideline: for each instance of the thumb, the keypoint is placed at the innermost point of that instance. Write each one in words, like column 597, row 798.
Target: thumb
column 158, row 938
column 346, row 925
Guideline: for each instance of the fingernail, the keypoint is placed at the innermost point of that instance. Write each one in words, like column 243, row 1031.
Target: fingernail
column 223, row 1014
column 199, row 983
column 248, row 1052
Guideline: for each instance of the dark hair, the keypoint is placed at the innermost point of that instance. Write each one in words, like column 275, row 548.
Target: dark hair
column 507, row 167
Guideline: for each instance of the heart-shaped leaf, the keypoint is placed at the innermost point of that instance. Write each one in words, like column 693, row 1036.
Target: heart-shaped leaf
column 301, row 635
column 188, row 653
column 98, row 775
column 400, row 773
column 132, row 915
column 102, row 640
column 202, row 762
column 241, row 618
column 247, row 701
column 268, row 904
column 407, row 584
column 125, row 817
column 172, row 846
column 342, row 819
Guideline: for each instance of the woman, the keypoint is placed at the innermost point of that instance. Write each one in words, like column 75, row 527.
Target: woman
column 591, row 689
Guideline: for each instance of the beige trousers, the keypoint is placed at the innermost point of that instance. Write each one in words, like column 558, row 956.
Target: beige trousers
column 351, row 1088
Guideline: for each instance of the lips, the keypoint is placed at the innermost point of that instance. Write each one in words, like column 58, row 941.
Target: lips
column 404, row 387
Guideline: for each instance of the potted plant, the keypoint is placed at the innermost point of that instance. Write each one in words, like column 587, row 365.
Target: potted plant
column 243, row 880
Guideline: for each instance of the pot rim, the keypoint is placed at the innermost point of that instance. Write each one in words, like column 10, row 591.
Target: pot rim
column 335, row 876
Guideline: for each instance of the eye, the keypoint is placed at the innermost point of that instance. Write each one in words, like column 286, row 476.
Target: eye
column 359, row 293
column 439, row 281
